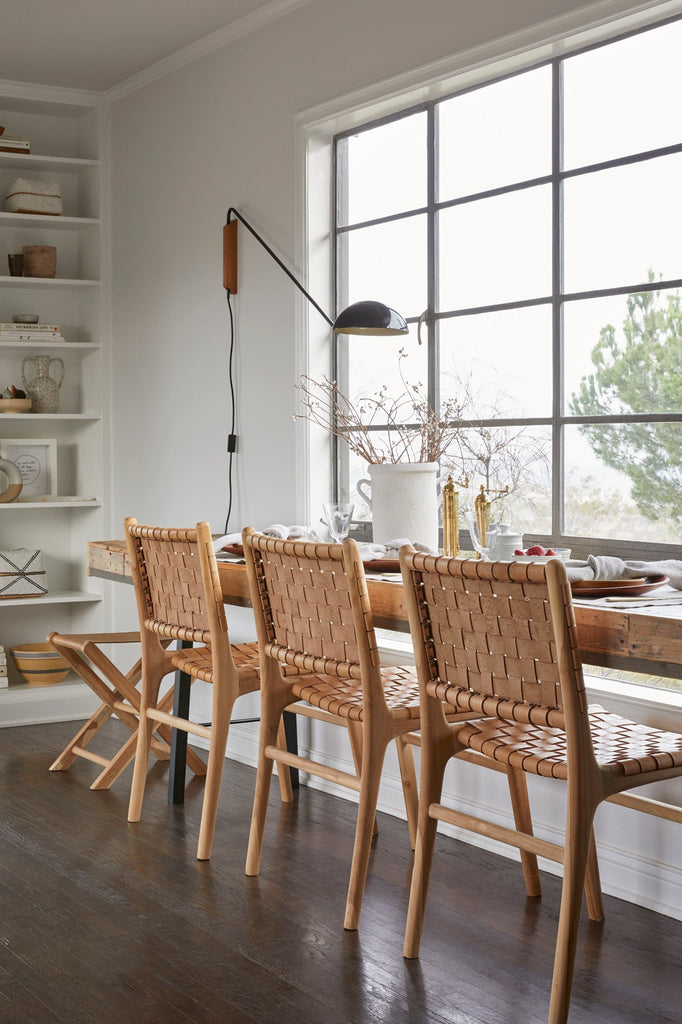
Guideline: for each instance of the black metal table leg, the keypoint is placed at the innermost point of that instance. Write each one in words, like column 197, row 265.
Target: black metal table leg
column 178, row 752
column 291, row 736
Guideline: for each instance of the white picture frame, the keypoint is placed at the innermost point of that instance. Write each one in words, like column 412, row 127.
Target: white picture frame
column 37, row 462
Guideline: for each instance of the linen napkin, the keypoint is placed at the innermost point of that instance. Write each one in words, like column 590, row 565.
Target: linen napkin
column 277, row 530
column 370, row 552
column 608, row 567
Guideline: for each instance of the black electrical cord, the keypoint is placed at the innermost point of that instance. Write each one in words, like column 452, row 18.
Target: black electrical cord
column 232, row 437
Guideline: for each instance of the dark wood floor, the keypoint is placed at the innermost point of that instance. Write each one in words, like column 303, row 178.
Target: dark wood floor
column 102, row 922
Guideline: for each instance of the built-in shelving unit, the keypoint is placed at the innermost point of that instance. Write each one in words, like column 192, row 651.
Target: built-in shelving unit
column 66, row 135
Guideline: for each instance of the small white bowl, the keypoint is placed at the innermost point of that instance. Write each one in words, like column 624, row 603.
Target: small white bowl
column 563, row 553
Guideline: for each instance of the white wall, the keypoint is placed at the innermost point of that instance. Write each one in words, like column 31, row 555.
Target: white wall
column 219, row 132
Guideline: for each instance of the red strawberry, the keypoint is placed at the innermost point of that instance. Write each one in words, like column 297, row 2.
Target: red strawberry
column 518, row 551
column 536, row 549
column 551, row 551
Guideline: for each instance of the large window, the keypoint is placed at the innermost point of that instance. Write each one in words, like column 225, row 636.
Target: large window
column 530, row 229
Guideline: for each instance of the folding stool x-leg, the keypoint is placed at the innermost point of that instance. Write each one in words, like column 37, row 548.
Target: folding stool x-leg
column 119, row 695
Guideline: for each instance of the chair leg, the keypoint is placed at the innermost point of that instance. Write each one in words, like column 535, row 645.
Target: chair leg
column 286, row 790
column 81, row 739
column 374, row 750
column 355, row 737
column 214, row 775
column 593, row 894
column 408, row 777
column 271, row 727
column 518, row 792
column 579, row 838
column 435, row 756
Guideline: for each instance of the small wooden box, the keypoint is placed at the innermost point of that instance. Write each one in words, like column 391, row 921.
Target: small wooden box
column 22, row 573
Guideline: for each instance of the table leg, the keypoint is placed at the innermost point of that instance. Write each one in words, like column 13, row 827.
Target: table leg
column 178, row 751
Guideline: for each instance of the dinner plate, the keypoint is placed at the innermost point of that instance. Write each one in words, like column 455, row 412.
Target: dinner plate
column 620, row 587
column 234, row 549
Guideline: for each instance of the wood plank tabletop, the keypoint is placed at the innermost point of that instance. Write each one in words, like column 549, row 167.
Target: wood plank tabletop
column 640, row 640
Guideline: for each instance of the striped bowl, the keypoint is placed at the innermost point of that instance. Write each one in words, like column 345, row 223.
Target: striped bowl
column 39, row 664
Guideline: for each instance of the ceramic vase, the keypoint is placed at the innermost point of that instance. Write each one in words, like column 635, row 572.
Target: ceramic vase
column 42, row 389
column 403, row 497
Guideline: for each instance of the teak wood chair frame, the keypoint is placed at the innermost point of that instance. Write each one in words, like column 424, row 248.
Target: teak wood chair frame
column 119, row 697
column 499, row 638
column 177, row 587
column 318, row 648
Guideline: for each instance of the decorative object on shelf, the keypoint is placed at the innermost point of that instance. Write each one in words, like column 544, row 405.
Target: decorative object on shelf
column 42, row 389
column 37, row 462
column 22, row 573
column 25, row 318
column 40, row 664
column 13, row 143
column 15, row 262
column 15, row 405
column 3, row 667
column 10, row 472
column 20, row 330
column 27, row 196
column 40, row 260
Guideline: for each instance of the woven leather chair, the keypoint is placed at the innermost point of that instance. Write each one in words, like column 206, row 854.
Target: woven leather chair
column 499, row 638
column 178, row 593
column 119, row 697
column 318, row 646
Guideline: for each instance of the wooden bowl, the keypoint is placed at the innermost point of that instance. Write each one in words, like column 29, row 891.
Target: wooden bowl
column 39, row 664
column 15, row 404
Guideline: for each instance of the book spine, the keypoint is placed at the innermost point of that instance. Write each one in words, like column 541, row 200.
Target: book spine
column 34, row 328
column 14, row 149
column 28, row 336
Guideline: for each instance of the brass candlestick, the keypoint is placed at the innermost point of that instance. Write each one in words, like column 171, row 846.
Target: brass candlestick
column 482, row 507
column 450, row 519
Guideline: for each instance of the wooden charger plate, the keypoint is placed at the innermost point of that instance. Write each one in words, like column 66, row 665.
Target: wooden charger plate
column 616, row 588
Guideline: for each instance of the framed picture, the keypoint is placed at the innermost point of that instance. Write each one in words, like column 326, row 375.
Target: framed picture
column 37, row 462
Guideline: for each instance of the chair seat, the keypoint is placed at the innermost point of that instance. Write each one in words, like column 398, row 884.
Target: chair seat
column 197, row 662
column 343, row 697
column 635, row 749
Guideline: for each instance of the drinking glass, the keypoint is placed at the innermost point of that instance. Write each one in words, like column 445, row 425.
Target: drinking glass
column 337, row 516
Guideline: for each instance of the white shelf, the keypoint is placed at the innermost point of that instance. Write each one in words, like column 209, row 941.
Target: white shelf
column 52, row 503
column 47, row 282
column 60, row 223
column 56, row 597
column 72, row 346
column 37, row 162
column 34, row 416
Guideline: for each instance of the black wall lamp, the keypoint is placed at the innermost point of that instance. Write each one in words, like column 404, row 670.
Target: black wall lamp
column 367, row 317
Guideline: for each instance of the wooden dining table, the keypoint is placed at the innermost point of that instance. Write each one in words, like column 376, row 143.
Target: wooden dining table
column 644, row 640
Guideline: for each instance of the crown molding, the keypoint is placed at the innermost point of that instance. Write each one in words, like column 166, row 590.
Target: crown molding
column 33, row 94
column 241, row 27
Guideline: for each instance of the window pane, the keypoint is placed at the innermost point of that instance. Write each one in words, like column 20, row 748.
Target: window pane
column 622, row 223
column 624, row 481
column 386, row 170
column 618, row 98
column 496, row 135
column 496, row 250
column 388, row 365
column 387, row 262
column 623, row 354
column 514, row 457
column 503, row 358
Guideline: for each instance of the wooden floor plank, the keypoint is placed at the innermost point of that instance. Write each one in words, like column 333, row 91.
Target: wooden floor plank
column 103, row 922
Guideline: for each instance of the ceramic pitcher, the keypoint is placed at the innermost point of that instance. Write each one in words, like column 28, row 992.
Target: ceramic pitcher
column 42, row 389
column 403, row 497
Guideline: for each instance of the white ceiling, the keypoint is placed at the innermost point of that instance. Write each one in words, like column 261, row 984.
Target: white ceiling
column 97, row 44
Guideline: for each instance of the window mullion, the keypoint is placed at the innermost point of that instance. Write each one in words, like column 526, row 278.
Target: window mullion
column 557, row 311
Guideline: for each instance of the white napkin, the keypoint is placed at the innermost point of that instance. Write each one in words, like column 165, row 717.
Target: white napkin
column 370, row 552
column 277, row 530
column 608, row 567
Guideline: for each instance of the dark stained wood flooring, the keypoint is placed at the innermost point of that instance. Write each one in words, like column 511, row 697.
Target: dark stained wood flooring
column 102, row 922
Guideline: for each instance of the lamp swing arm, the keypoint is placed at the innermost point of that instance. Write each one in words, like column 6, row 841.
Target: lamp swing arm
column 230, row 268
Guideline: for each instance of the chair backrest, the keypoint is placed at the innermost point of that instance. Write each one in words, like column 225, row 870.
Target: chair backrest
column 176, row 580
column 498, row 639
column 312, row 606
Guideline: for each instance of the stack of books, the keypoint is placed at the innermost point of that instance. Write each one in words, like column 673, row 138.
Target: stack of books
column 30, row 332
column 14, row 144
column 3, row 667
